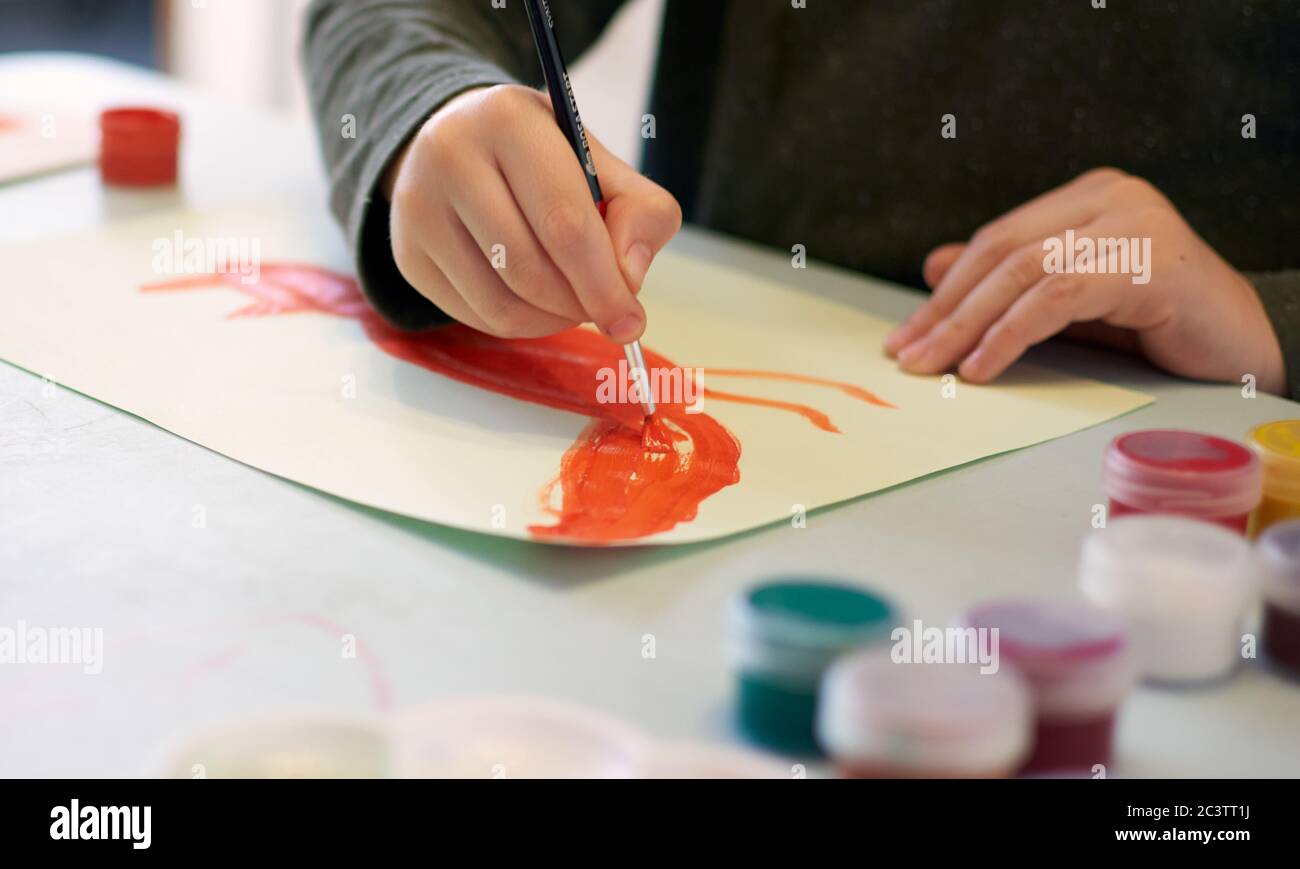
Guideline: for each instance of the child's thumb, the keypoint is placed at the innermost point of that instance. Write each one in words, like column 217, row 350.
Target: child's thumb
column 641, row 218
column 640, row 223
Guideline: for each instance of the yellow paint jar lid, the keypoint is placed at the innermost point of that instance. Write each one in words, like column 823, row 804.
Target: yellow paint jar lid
column 1278, row 445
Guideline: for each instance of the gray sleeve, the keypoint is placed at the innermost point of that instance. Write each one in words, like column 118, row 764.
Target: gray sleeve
column 383, row 67
column 1280, row 293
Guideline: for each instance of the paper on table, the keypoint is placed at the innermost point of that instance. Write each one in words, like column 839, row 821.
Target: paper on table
column 310, row 397
column 33, row 143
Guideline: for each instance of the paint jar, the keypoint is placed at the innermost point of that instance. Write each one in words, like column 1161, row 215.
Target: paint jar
column 139, row 147
column 677, row 760
column 514, row 737
column 1183, row 473
column 1183, row 586
column 1278, row 561
column 881, row 719
column 1077, row 663
column 783, row 636
column 1278, row 446
column 292, row 744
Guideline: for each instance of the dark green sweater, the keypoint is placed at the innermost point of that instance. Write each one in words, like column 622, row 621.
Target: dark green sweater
column 822, row 125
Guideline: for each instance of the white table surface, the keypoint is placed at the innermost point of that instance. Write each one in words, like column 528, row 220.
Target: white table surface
column 243, row 616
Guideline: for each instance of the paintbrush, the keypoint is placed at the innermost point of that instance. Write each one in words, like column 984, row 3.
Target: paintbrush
column 566, row 115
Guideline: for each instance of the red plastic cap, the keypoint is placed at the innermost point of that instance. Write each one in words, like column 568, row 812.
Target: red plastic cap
column 1044, row 634
column 1172, row 471
column 139, row 147
column 1186, row 451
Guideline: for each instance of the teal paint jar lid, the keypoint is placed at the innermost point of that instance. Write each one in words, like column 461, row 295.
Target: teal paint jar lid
column 784, row 634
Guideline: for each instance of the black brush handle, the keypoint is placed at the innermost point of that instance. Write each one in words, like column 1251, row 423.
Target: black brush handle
column 557, row 82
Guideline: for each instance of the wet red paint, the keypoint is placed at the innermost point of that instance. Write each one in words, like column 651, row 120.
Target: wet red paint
column 847, row 388
column 626, row 477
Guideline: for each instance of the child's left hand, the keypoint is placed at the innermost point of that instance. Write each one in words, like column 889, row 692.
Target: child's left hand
column 994, row 297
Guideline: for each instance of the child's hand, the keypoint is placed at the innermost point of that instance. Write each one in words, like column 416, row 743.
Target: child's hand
column 491, row 168
column 994, row 298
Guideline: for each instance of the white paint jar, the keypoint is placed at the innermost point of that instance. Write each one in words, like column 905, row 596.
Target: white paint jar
column 1184, row 587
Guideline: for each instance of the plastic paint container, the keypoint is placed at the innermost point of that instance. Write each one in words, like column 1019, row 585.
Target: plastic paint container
column 1076, row 660
column 1278, row 446
column 1182, row 586
column 783, row 636
column 299, row 744
column 1183, row 473
column 514, row 737
column 880, row 719
column 139, row 147
column 1278, row 559
column 692, row 761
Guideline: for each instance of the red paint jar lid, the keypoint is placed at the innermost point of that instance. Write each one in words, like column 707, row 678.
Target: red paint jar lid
column 1050, row 633
column 139, row 147
column 1192, row 474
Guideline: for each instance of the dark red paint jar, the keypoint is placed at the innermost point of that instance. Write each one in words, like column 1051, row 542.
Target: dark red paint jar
column 1182, row 473
column 1077, row 663
column 1279, row 567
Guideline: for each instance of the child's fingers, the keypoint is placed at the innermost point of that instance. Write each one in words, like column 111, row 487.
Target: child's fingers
column 1048, row 308
column 418, row 268
column 937, row 264
column 642, row 217
column 958, row 333
column 505, row 314
column 1071, row 205
column 939, row 261
column 488, row 210
column 548, row 184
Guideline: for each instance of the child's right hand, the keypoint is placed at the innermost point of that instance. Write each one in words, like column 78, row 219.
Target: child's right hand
column 491, row 167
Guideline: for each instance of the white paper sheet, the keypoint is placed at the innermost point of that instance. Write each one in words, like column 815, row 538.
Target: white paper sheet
column 309, row 397
column 35, row 142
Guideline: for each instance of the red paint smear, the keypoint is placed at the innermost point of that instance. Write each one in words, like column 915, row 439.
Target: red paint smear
column 625, row 477
column 814, row 416
column 8, row 124
column 381, row 691
column 847, row 388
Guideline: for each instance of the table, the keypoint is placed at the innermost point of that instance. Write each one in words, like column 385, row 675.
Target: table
column 98, row 516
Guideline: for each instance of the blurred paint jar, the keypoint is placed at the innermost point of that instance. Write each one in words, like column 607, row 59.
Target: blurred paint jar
column 139, row 147
column 1182, row 586
column 293, row 744
column 881, row 719
column 1279, row 572
column 517, row 737
column 783, row 636
column 1182, row 473
column 1079, row 668
column 1278, row 446
column 676, row 760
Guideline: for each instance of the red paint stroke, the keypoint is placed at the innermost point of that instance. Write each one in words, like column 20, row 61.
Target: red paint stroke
column 381, row 691
column 625, row 477
column 847, row 388
column 9, row 124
